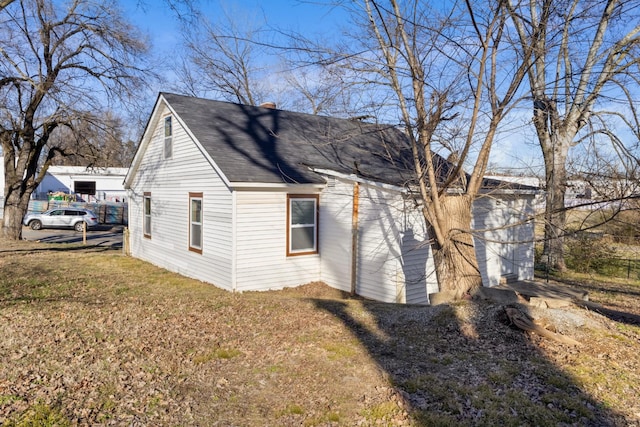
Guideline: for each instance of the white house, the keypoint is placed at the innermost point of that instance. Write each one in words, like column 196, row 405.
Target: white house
column 253, row 198
column 91, row 184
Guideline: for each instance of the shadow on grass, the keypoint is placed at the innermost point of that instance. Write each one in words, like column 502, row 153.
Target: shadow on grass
column 615, row 315
column 58, row 247
column 611, row 288
column 471, row 369
column 104, row 240
column 624, row 289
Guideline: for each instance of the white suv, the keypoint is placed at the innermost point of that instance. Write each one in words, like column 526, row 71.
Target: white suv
column 61, row 218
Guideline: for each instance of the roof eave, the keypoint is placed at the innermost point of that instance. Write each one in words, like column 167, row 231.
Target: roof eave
column 359, row 179
column 263, row 186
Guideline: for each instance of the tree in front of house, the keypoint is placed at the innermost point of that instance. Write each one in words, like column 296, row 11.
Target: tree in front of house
column 452, row 81
column 60, row 64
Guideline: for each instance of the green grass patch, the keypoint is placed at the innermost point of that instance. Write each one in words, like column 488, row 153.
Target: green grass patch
column 40, row 415
column 292, row 409
column 6, row 399
column 382, row 411
column 219, row 353
column 275, row 369
column 338, row 351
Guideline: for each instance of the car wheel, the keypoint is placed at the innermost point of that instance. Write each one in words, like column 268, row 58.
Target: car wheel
column 79, row 226
column 35, row 224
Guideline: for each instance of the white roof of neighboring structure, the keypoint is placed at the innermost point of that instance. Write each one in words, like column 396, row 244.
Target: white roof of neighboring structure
column 82, row 170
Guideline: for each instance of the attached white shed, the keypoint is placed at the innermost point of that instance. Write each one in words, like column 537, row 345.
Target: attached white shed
column 252, row 198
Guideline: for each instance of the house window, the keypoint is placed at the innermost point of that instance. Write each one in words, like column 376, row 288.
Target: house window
column 147, row 215
column 85, row 187
column 302, row 224
column 195, row 222
column 168, row 134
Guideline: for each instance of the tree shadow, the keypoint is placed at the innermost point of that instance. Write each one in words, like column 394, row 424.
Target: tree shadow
column 606, row 309
column 64, row 247
column 101, row 240
column 463, row 364
column 615, row 315
column 612, row 287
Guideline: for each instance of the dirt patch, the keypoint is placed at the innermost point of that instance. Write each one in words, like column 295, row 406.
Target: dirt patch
column 92, row 337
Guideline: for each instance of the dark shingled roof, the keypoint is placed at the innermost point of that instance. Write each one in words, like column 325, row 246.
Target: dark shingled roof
column 264, row 145
column 257, row 144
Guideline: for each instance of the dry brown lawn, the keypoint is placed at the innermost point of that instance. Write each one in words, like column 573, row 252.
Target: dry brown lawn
column 90, row 337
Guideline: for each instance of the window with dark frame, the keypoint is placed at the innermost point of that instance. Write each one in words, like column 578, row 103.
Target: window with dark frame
column 147, row 215
column 302, row 224
column 85, row 187
column 168, row 138
column 195, row 222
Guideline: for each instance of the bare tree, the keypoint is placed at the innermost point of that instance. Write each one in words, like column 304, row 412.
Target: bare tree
column 60, row 65
column 585, row 59
column 442, row 70
column 102, row 143
column 224, row 59
column 318, row 90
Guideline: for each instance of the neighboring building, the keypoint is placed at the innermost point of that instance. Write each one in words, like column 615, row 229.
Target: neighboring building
column 83, row 183
column 528, row 180
column 252, row 198
column 584, row 193
column 89, row 184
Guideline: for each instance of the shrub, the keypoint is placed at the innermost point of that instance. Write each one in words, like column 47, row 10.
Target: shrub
column 624, row 227
column 587, row 252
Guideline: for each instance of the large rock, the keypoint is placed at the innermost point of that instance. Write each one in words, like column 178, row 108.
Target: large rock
column 500, row 296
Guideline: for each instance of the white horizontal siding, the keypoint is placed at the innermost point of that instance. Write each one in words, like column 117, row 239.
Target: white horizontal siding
column 170, row 181
column 417, row 259
column 525, row 249
column 393, row 255
column 379, row 270
column 261, row 245
column 335, row 234
column 394, row 261
column 501, row 247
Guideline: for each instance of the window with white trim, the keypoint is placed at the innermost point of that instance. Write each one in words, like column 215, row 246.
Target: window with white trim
column 195, row 222
column 168, row 138
column 302, row 224
column 146, row 227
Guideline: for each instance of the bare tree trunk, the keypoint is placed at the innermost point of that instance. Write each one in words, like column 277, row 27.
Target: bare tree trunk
column 455, row 257
column 556, row 137
column 555, row 157
column 16, row 204
column 20, row 180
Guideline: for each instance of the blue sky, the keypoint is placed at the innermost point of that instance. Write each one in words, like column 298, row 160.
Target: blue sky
column 516, row 149
column 156, row 18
